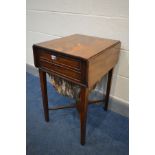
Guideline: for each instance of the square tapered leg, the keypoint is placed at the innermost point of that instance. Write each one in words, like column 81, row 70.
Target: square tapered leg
column 108, row 89
column 43, row 85
column 83, row 113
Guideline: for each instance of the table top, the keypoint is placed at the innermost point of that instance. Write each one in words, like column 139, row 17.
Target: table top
column 79, row 45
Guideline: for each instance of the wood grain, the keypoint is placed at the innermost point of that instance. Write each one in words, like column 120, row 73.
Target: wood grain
column 78, row 45
column 80, row 59
column 100, row 64
column 59, row 69
column 43, row 85
column 59, row 59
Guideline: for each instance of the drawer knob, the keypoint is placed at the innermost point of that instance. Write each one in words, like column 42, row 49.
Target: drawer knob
column 53, row 57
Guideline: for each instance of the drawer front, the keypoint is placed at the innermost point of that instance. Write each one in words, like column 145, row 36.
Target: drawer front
column 65, row 66
column 60, row 70
column 60, row 60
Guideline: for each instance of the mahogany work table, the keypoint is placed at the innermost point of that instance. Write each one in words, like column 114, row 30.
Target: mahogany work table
column 79, row 59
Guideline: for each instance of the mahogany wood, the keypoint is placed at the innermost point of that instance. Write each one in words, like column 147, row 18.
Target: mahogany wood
column 95, row 101
column 73, row 105
column 80, row 59
column 100, row 65
column 64, row 71
column 62, row 107
column 83, row 113
column 62, row 60
column 78, row 45
column 108, row 89
column 44, row 93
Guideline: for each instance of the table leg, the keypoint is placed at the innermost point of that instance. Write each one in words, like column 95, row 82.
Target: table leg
column 83, row 113
column 108, row 89
column 43, row 85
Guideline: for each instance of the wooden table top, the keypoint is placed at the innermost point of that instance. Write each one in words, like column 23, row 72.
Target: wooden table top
column 79, row 45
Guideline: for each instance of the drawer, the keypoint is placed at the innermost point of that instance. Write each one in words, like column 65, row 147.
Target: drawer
column 59, row 59
column 61, row 70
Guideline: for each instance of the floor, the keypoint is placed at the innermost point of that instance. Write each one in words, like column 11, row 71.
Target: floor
column 107, row 132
